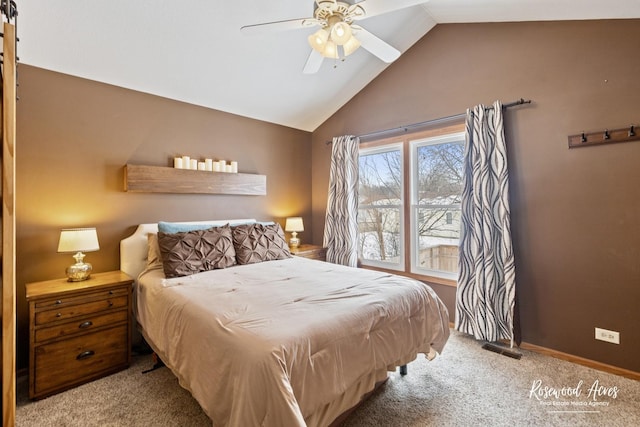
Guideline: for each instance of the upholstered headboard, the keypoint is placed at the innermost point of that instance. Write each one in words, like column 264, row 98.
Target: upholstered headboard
column 133, row 249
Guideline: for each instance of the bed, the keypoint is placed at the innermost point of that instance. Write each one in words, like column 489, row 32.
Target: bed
column 285, row 341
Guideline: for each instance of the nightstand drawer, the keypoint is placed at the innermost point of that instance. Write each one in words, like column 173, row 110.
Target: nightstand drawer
column 78, row 359
column 84, row 324
column 320, row 255
column 310, row 252
column 80, row 310
column 80, row 299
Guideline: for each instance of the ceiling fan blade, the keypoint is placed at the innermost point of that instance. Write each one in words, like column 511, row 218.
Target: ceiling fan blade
column 378, row 7
column 278, row 26
column 379, row 48
column 313, row 62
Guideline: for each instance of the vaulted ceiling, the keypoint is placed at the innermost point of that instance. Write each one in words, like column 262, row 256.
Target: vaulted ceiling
column 193, row 50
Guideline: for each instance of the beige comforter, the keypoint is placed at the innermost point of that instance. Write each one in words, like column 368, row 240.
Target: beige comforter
column 286, row 343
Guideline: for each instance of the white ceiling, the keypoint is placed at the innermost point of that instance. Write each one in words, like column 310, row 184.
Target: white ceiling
column 192, row 50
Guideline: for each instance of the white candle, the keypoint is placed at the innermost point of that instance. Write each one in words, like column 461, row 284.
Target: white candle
column 234, row 167
column 208, row 164
column 228, row 169
column 223, row 165
column 201, row 166
column 186, row 162
column 177, row 162
column 194, row 164
column 216, row 167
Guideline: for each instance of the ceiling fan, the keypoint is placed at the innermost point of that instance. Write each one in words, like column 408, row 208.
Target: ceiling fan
column 338, row 35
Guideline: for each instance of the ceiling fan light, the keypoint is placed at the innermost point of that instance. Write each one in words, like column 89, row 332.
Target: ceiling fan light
column 318, row 40
column 351, row 46
column 330, row 50
column 341, row 33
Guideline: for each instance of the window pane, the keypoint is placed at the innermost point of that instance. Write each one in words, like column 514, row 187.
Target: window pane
column 380, row 207
column 437, row 193
column 439, row 173
column 381, row 178
column 379, row 234
column 437, row 240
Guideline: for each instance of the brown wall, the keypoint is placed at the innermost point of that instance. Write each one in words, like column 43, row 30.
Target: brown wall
column 74, row 138
column 575, row 213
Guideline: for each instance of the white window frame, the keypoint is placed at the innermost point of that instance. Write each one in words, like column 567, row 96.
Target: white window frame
column 400, row 265
column 407, row 262
column 413, row 181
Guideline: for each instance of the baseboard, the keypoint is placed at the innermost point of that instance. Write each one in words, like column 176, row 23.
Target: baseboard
column 627, row 373
column 582, row 361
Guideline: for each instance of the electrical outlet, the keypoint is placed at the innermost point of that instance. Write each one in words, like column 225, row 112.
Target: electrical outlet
column 608, row 336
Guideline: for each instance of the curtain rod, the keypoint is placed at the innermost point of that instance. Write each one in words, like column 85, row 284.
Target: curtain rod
column 435, row 121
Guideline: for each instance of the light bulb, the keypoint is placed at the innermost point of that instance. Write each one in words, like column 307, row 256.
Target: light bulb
column 318, row 40
column 341, row 33
column 330, row 50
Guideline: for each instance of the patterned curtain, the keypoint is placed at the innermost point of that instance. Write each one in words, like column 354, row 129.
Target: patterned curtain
column 485, row 298
column 341, row 222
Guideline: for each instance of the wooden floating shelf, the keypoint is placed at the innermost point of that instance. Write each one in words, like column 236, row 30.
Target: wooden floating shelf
column 158, row 179
column 604, row 137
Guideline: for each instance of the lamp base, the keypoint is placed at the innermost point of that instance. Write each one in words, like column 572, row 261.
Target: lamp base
column 80, row 270
column 294, row 242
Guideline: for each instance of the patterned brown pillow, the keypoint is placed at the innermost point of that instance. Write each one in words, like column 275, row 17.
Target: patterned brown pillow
column 259, row 242
column 196, row 251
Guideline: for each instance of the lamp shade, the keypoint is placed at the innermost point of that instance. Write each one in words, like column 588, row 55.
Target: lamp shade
column 318, row 40
column 78, row 240
column 341, row 33
column 351, row 46
column 294, row 224
column 330, row 50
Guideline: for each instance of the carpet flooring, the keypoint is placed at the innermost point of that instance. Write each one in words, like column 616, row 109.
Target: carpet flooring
column 465, row 386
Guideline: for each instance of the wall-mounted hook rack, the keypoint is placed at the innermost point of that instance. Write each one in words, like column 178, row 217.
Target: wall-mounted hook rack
column 606, row 136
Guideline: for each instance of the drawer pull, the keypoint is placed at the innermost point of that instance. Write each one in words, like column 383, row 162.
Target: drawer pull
column 86, row 324
column 110, row 303
column 110, row 292
column 58, row 314
column 85, row 354
column 58, row 302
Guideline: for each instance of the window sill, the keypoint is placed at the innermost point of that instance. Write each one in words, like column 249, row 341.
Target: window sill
column 420, row 277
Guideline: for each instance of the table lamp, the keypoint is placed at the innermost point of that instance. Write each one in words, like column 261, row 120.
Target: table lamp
column 294, row 225
column 78, row 240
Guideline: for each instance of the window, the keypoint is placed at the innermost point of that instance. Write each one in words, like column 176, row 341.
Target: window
column 409, row 203
column 436, row 183
column 380, row 206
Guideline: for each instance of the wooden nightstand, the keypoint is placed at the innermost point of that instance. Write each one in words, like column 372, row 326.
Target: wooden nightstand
column 310, row 251
column 79, row 331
